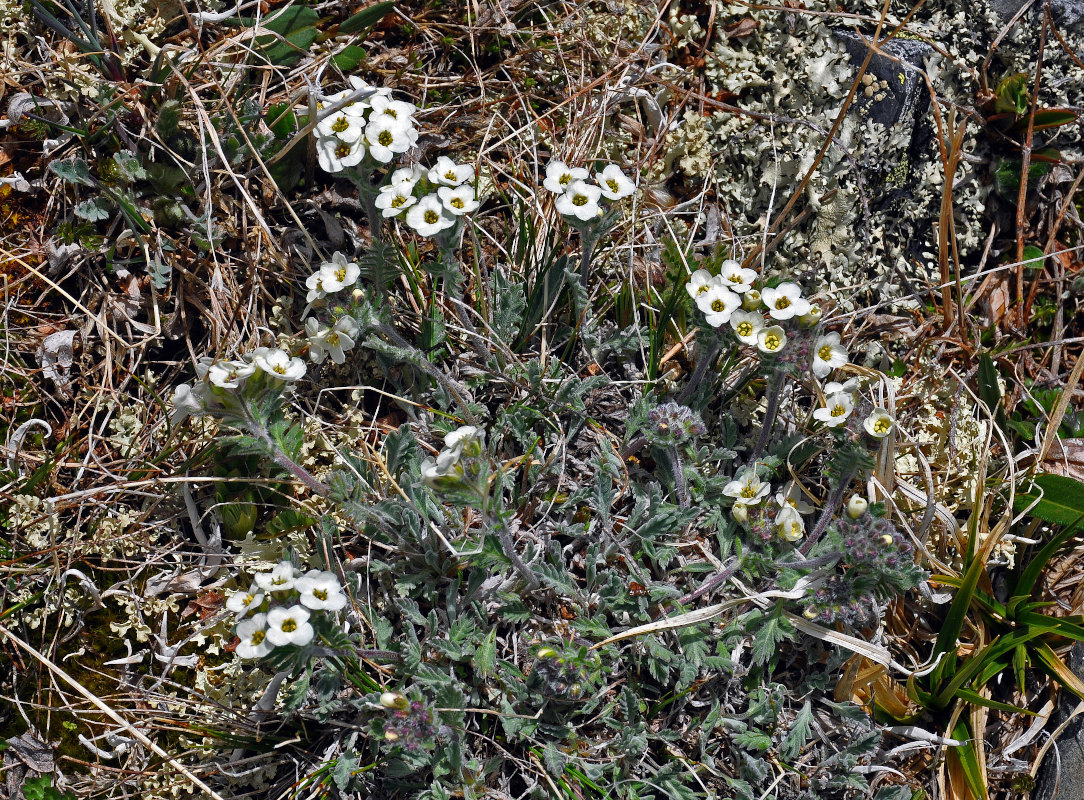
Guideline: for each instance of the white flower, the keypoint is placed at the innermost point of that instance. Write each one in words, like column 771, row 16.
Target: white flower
column 746, row 325
column 836, row 409
column 315, row 285
column 718, row 304
column 791, row 497
column 229, row 374
column 186, row 402
column 828, row 354
column 699, row 282
column 752, row 300
column 278, row 364
column 460, row 435
column 289, row 626
column 340, row 125
column 879, row 423
column 560, row 176
column 396, row 109
column 395, row 198
column 613, row 183
column 811, row 317
column 459, row 200
column 849, row 386
column 445, row 465
column 240, row 603
column 279, row 579
column 253, row 636
column 789, row 524
column 407, row 176
column 335, row 155
column 771, row 340
column 320, row 591
column 338, row 274
column 580, row 200
column 857, row 506
column 448, row 173
column 736, row 277
column 387, row 136
column 746, row 488
column 785, row 301
column 357, row 108
column 428, row 217
column 333, row 341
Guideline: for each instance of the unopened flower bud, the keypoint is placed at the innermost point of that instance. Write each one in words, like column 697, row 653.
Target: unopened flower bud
column 751, row 300
column 391, row 736
column 547, row 652
column 393, row 700
column 856, row 506
column 358, row 295
column 886, row 540
column 740, row 512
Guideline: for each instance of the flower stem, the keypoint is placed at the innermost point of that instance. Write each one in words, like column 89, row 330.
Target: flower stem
column 716, row 580
column 702, row 364
column 775, row 395
column 509, row 548
column 588, row 239
column 835, row 500
column 679, row 477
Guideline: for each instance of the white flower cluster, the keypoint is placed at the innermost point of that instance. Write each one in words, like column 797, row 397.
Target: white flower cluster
column 331, row 339
column 433, row 200
column 376, row 126
column 579, row 199
column 748, row 490
column 283, row 601
column 460, row 464
column 840, row 402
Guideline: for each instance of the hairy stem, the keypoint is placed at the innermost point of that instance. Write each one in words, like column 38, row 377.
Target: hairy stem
column 715, row 581
column 835, row 500
column 702, row 364
column 775, row 395
column 679, row 477
column 588, row 239
column 509, row 548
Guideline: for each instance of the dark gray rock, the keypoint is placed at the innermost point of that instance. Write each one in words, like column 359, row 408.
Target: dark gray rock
column 899, row 93
column 1066, row 13
column 1061, row 776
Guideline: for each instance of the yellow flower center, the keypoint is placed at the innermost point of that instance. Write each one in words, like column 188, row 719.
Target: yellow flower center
column 613, row 185
column 257, row 637
column 450, row 175
column 839, row 410
column 702, row 288
column 735, row 278
column 782, row 302
column 825, row 353
column 882, row 425
column 565, row 179
column 385, row 138
column 248, row 600
column 745, row 329
column 320, row 594
column 289, row 626
column 333, row 339
column 748, row 491
column 340, row 274
column 342, row 151
column 397, row 201
column 772, row 342
column 579, row 200
column 717, row 305
column 281, row 370
column 431, row 217
column 456, row 202
column 340, row 124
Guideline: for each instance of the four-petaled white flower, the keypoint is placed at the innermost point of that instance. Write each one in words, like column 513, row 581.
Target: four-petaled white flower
column 229, row 374
column 398, row 110
column 735, row 277
column 457, row 200
column 320, row 591
column 407, row 176
column 333, row 341
column 253, row 635
column 395, row 198
column 879, row 423
column 828, row 354
column 699, row 282
column 746, row 488
column 428, row 216
column 789, row 524
column 559, row 176
column 580, row 200
column 613, row 183
column 836, row 409
column 772, row 339
column 356, row 108
column 448, row 173
column 849, row 386
column 751, row 300
column 785, row 301
column 335, row 155
column 387, row 137
column 340, row 125
column 718, row 304
column 278, row 363
column 240, row 603
column 338, row 274
column 289, row 626
column 746, row 325
column 791, row 497
column 279, row 579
